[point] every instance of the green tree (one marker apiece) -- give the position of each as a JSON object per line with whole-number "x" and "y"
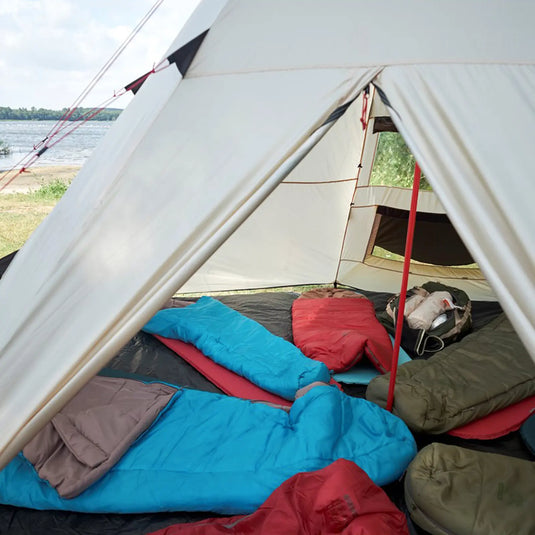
{"x": 394, "y": 163}
{"x": 42, "y": 114}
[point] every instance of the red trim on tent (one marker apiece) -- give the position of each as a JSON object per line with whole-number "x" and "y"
{"x": 228, "y": 381}
{"x": 404, "y": 284}
{"x": 498, "y": 423}
{"x": 364, "y": 113}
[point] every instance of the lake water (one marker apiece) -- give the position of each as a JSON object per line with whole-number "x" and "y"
{"x": 21, "y": 136}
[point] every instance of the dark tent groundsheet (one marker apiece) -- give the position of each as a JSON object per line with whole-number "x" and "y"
{"x": 144, "y": 356}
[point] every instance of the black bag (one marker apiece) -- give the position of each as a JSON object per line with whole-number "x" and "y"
{"x": 449, "y": 327}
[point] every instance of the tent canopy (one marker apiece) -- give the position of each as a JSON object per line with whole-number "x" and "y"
{"x": 241, "y": 160}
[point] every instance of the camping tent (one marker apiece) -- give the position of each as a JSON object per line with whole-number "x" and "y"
{"x": 252, "y": 138}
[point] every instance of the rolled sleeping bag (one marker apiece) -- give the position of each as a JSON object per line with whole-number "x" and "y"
{"x": 449, "y": 490}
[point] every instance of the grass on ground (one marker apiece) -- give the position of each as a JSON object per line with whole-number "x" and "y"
{"x": 20, "y": 214}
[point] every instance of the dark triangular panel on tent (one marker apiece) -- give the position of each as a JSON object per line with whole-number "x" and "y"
{"x": 383, "y": 96}
{"x": 135, "y": 85}
{"x": 338, "y": 112}
{"x": 5, "y": 261}
{"x": 183, "y": 57}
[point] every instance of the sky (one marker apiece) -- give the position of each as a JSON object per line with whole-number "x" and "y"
{"x": 50, "y": 50}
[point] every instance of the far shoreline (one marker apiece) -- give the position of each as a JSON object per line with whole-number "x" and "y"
{"x": 36, "y": 177}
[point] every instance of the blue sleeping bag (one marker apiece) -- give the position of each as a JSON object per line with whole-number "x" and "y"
{"x": 208, "y": 452}
{"x": 240, "y": 344}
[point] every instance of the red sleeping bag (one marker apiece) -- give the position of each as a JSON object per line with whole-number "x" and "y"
{"x": 338, "y": 331}
{"x": 498, "y": 423}
{"x": 225, "y": 379}
{"x": 339, "y": 499}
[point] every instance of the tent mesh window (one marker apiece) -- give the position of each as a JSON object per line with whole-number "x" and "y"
{"x": 436, "y": 241}
{"x": 393, "y": 164}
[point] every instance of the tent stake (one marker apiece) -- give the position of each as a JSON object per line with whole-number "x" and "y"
{"x": 404, "y": 283}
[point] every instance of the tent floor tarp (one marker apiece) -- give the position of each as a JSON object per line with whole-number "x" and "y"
{"x": 145, "y": 356}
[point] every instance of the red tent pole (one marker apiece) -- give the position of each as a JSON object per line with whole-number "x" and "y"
{"x": 404, "y": 283}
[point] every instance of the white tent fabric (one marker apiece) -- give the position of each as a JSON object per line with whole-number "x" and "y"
{"x": 359, "y": 268}
{"x": 190, "y": 159}
{"x": 297, "y": 233}
{"x": 482, "y": 179}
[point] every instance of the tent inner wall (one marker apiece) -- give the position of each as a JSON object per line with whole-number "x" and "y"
{"x": 329, "y": 192}
{"x": 362, "y": 269}
{"x": 296, "y": 235}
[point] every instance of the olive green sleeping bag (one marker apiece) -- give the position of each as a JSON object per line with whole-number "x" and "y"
{"x": 486, "y": 371}
{"x": 452, "y": 490}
